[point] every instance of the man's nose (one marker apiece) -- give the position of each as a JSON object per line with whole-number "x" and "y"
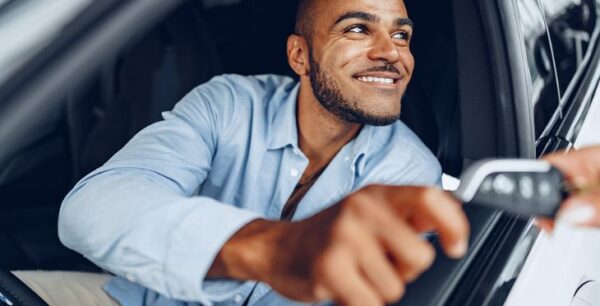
{"x": 384, "y": 48}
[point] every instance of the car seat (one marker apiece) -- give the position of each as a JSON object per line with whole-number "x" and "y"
{"x": 431, "y": 105}
{"x": 149, "y": 78}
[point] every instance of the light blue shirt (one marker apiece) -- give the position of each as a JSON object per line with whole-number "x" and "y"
{"x": 159, "y": 211}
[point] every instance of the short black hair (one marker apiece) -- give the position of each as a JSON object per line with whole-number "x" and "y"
{"x": 305, "y": 18}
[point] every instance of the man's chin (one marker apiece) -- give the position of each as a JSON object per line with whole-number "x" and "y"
{"x": 370, "y": 119}
{"x": 381, "y": 121}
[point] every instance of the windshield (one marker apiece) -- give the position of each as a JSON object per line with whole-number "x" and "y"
{"x": 26, "y": 26}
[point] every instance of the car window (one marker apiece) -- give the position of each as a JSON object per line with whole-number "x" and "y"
{"x": 570, "y": 24}
{"x": 26, "y": 26}
{"x": 544, "y": 94}
{"x": 4, "y": 3}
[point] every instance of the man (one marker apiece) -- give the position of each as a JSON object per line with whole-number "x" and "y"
{"x": 261, "y": 191}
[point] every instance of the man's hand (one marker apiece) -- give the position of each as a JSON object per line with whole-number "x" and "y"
{"x": 361, "y": 251}
{"x": 582, "y": 171}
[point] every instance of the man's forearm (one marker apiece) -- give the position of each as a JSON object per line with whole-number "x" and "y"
{"x": 161, "y": 239}
{"x": 249, "y": 253}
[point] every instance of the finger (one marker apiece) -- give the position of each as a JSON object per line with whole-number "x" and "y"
{"x": 441, "y": 212}
{"x": 348, "y": 286}
{"x": 450, "y": 220}
{"x": 544, "y": 224}
{"x": 581, "y": 210}
{"x": 580, "y": 167}
{"x": 410, "y": 252}
{"x": 421, "y": 225}
{"x": 377, "y": 268}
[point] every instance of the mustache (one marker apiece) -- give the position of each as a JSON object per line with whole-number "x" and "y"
{"x": 386, "y": 68}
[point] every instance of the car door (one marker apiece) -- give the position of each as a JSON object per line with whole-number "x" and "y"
{"x": 48, "y": 50}
{"x": 496, "y": 121}
{"x": 33, "y": 141}
{"x": 537, "y": 111}
{"x": 559, "y": 266}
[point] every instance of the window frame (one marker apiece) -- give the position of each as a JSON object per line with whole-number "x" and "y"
{"x": 562, "y": 129}
{"x": 38, "y": 89}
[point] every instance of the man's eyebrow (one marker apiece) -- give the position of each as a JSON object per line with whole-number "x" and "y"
{"x": 373, "y": 18}
{"x": 405, "y": 21}
{"x": 357, "y": 15}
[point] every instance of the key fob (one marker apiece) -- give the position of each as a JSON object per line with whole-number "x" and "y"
{"x": 525, "y": 187}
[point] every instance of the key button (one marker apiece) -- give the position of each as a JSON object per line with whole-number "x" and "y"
{"x": 503, "y": 185}
{"x": 544, "y": 188}
{"x": 487, "y": 185}
{"x": 526, "y": 187}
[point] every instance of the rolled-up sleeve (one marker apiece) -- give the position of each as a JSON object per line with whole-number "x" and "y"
{"x": 138, "y": 217}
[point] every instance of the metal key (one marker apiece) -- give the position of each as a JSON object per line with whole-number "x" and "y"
{"x": 525, "y": 187}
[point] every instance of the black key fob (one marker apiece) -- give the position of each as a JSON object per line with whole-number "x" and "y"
{"x": 525, "y": 187}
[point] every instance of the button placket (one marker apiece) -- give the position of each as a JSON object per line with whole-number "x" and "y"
{"x": 130, "y": 277}
{"x": 238, "y": 298}
{"x": 294, "y": 172}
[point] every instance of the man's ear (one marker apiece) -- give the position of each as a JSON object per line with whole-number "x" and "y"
{"x": 297, "y": 52}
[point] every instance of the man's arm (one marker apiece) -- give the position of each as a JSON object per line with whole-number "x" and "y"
{"x": 137, "y": 217}
{"x": 361, "y": 251}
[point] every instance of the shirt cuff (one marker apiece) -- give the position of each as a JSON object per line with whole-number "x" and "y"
{"x": 191, "y": 251}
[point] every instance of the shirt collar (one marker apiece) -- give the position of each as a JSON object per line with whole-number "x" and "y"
{"x": 360, "y": 146}
{"x": 283, "y": 124}
{"x": 285, "y": 131}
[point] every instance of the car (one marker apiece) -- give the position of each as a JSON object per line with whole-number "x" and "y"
{"x": 493, "y": 79}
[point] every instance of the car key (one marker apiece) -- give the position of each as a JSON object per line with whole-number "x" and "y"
{"x": 525, "y": 187}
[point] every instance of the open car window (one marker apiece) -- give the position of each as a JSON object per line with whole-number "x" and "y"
{"x": 544, "y": 94}
{"x": 571, "y": 25}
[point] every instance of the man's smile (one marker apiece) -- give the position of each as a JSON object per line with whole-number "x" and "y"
{"x": 380, "y": 79}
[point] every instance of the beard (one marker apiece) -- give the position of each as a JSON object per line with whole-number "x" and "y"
{"x": 331, "y": 98}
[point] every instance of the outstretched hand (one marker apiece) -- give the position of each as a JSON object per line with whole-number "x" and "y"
{"x": 360, "y": 251}
{"x": 581, "y": 169}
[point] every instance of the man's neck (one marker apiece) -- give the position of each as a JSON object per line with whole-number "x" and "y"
{"x": 320, "y": 133}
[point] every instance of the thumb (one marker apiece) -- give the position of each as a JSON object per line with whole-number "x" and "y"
{"x": 581, "y": 210}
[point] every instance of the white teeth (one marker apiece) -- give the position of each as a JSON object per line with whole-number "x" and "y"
{"x": 369, "y": 79}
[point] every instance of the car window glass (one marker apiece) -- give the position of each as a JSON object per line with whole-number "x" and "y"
{"x": 26, "y": 26}
{"x": 570, "y": 24}
{"x": 3, "y": 3}
{"x": 545, "y": 97}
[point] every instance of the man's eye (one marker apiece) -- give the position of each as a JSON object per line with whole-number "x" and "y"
{"x": 401, "y": 35}
{"x": 357, "y": 29}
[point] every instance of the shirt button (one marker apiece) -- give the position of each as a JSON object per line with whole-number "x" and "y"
{"x": 237, "y": 298}
{"x": 130, "y": 277}
{"x": 347, "y": 158}
{"x": 294, "y": 172}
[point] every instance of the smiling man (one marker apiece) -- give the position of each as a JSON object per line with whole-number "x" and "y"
{"x": 360, "y": 65}
{"x": 265, "y": 191}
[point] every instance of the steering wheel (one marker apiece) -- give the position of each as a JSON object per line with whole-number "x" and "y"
{"x": 13, "y": 292}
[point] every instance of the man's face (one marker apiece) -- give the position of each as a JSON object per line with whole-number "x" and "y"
{"x": 360, "y": 61}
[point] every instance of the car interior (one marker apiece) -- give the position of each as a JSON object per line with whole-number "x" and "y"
{"x": 196, "y": 42}
{"x": 150, "y": 75}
